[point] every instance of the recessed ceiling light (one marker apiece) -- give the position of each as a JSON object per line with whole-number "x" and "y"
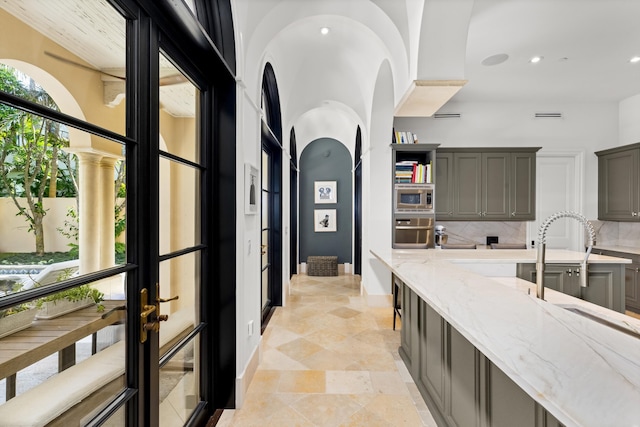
{"x": 495, "y": 59}
{"x": 536, "y": 59}
{"x": 324, "y": 31}
{"x": 634, "y": 59}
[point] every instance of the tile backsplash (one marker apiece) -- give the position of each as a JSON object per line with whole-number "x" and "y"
{"x": 477, "y": 232}
{"x": 609, "y": 233}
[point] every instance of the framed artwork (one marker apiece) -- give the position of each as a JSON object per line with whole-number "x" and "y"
{"x": 324, "y": 220}
{"x": 251, "y": 190}
{"x": 325, "y": 192}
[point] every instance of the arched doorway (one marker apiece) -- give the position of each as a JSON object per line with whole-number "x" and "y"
{"x": 357, "y": 204}
{"x": 271, "y": 200}
{"x": 293, "y": 207}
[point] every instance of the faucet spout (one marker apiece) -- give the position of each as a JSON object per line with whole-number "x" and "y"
{"x": 542, "y": 234}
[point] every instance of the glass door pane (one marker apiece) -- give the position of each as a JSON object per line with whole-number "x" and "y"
{"x": 62, "y": 212}
{"x": 180, "y": 253}
{"x": 265, "y": 213}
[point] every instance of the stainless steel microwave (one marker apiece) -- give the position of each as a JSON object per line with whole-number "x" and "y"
{"x": 413, "y": 198}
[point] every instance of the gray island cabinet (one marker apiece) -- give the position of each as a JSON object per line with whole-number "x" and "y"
{"x": 459, "y": 384}
{"x": 605, "y": 284}
{"x": 632, "y": 274}
{"x": 484, "y": 351}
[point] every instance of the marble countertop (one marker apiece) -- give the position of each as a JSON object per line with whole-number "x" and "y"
{"x": 583, "y": 372}
{"x": 511, "y": 256}
{"x": 615, "y": 248}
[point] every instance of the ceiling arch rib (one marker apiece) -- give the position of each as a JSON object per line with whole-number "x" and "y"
{"x": 332, "y": 120}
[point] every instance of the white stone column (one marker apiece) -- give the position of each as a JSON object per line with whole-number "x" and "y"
{"x": 107, "y": 218}
{"x": 90, "y": 211}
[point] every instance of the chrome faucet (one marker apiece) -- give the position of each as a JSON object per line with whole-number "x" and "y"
{"x": 542, "y": 234}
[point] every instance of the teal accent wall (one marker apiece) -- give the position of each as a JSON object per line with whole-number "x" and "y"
{"x": 326, "y": 159}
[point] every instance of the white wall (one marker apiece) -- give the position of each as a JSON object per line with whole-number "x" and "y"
{"x": 630, "y": 120}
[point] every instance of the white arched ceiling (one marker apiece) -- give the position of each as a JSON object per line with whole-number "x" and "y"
{"x": 312, "y": 68}
{"x": 332, "y": 120}
{"x": 443, "y": 39}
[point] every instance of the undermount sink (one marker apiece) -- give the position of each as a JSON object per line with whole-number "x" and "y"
{"x": 577, "y": 310}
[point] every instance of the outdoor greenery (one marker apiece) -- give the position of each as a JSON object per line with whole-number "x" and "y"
{"x": 34, "y": 259}
{"x": 32, "y": 157}
{"x": 35, "y": 165}
{"x": 75, "y": 294}
{"x": 14, "y": 310}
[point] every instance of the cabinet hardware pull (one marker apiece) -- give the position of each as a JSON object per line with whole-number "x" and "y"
{"x": 634, "y": 213}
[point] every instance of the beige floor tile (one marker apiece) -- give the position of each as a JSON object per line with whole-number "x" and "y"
{"x": 325, "y": 337}
{"x": 365, "y": 418}
{"x": 327, "y": 409}
{"x": 349, "y": 382}
{"x": 302, "y": 382}
{"x": 330, "y": 360}
{"x": 265, "y": 381}
{"x": 389, "y": 383}
{"x": 327, "y": 360}
{"x": 396, "y": 410}
{"x": 288, "y": 417}
{"x": 299, "y": 349}
{"x": 274, "y": 359}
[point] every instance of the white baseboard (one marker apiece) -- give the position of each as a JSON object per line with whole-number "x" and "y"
{"x": 244, "y": 379}
{"x": 385, "y": 300}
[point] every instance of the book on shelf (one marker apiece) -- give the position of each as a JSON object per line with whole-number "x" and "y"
{"x": 403, "y": 137}
{"x": 413, "y": 172}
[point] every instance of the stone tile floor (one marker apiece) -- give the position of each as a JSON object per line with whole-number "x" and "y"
{"x": 328, "y": 359}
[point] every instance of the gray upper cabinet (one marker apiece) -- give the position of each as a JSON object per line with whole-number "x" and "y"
{"x": 522, "y": 200}
{"x": 619, "y": 183}
{"x": 444, "y": 189}
{"x": 467, "y": 185}
{"x": 485, "y": 184}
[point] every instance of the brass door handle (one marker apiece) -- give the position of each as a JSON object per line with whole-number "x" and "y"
{"x": 149, "y": 309}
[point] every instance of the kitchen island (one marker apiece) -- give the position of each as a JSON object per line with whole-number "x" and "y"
{"x": 485, "y": 351}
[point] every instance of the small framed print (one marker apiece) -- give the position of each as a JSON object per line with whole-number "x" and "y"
{"x": 251, "y": 183}
{"x": 324, "y": 220}
{"x": 325, "y": 192}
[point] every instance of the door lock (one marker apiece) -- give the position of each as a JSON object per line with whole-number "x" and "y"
{"x": 148, "y": 310}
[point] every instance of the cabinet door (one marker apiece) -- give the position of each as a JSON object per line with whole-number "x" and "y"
{"x": 495, "y": 185}
{"x": 444, "y": 185}
{"x": 462, "y": 381}
{"x": 522, "y": 197}
{"x": 521, "y": 408}
{"x": 559, "y": 277}
{"x": 604, "y": 286}
{"x": 632, "y": 287}
{"x": 467, "y": 186}
{"x": 432, "y": 354}
{"x": 619, "y": 186}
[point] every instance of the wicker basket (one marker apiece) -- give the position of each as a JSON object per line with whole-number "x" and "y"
{"x": 322, "y": 266}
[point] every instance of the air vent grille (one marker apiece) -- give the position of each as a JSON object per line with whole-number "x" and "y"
{"x": 548, "y": 115}
{"x": 446, "y": 116}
